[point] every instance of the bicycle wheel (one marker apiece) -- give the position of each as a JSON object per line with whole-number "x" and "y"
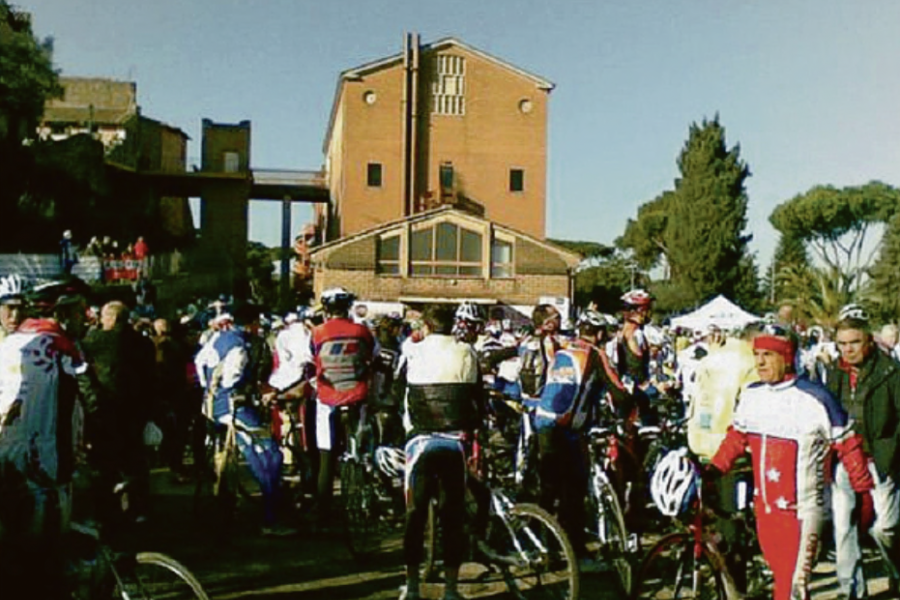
{"x": 608, "y": 536}
{"x": 670, "y": 571}
{"x": 361, "y": 518}
{"x": 158, "y": 577}
{"x": 533, "y": 553}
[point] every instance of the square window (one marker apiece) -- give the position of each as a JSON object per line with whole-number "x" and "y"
{"x": 516, "y": 180}
{"x": 373, "y": 175}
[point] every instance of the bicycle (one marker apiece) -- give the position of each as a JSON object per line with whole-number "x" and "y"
{"x": 372, "y": 500}
{"x": 141, "y": 576}
{"x": 608, "y": 536}
{"x": 95, "y": 570}
{"x": 688, "y": 564}
{"x": 521, "y": 546}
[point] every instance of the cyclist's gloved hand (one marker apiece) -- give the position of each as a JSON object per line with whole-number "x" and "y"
{"x": 865, "y": 508}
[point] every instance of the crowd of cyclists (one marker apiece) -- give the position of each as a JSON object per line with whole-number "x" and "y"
{"x": 88, "y": 392}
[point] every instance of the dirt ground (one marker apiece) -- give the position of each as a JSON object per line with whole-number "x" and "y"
{"x": 241, "y": 563}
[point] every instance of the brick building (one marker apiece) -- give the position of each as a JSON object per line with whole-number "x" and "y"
{"x": 445, "y": 254}
{"x": 107, "y": 110}
{"x": 436, "y": 162}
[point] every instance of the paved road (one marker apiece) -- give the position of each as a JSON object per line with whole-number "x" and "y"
{"x": 243, "y": 564}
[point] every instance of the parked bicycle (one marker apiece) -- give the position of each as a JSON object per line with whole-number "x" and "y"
{"x": 518, "y": 546}
{"x": 688, "y": 563}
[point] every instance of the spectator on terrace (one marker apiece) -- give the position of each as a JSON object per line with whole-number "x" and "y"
{"x": 67, "y": 255}
{"x": 142, "y": 255}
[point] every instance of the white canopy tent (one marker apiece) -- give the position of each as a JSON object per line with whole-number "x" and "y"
{"x": 720, "y": 311}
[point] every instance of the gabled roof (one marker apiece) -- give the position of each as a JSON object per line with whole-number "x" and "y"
{"x": 441, "y": 44}
{"x": 389, "y": 61}
{"x": 571, "y": 258}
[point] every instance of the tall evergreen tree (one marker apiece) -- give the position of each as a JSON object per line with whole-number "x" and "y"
{"x": 790, "y": 260}
{"x": 704, "y": 234}
{"x": 884, "y": 286}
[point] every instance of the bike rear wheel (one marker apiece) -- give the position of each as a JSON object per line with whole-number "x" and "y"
{"x": 533, "y": 553}
{"x": 608, "y": 538}
{"x": 362, "y": 518}
{"x": 156, "y": 576}
{"x": 671, "y": 571}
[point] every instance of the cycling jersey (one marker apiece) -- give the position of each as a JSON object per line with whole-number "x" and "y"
{"x": 343, "y": 352}
{"x": 293, "y": 351}
{"x": 791, "y": 429}
{"x": 37, "y": 398}
{"x": 443, "y": 386}
{"x": 220, "y": 365}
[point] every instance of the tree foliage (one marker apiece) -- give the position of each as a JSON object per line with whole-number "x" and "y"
{"x": 707, "y": 249}
{"x": 592, "y": 253}
{"x": 884, "y": 288}
{"x": 27, "y": 76}
{"x": 646, "y": 236}
{"x": 834, "y": 222}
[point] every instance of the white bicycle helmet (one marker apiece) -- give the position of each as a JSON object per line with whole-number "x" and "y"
{"x": 12, "y": 287}
{"x": 674, "y": 483}
{"x": 391, "y": 461}
{"x": 470, "y": 312}
{"x": 637, "y": 298}
{"x": 337, "y": 300}
{"x": 853, "y": 311}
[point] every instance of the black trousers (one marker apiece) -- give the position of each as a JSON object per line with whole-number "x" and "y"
{"x": 436, "y": 469}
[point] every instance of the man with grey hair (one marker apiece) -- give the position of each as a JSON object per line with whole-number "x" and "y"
{"x": 867, "y": 382}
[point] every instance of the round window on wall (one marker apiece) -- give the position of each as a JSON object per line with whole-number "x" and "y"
{"x": 525, "y": 105}
{"x": 369, "y": 97}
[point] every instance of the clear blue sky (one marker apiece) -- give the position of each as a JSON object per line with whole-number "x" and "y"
{"x": 809, "y": 89}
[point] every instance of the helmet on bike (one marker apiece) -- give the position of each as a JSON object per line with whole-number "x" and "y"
{"x": 674, "y": 483}
{"x": 391, "y": 461}
{"x": 337, "y": 300}
{"x": 44, "y": 297}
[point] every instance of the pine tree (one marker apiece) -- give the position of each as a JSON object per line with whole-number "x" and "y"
{"x": 707, "y": 246}
{"x": 884, "y": 286}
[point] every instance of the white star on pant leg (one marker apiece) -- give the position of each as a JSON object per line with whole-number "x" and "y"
{"x": 773, "y": 474}
{"x": 781, "y": 503}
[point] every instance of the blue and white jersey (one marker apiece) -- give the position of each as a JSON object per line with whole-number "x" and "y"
{"x": 221, "y": 364}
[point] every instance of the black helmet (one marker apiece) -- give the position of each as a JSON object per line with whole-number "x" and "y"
{"x": 48, "y": 295}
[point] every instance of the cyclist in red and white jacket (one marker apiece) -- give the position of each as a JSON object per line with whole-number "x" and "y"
{"x": 792, "y": 429}
{"x": 343, "y": 352}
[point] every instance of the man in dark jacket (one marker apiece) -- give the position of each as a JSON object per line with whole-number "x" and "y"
{"x": 867, "y": 382}
{"x": 124, "y": 362}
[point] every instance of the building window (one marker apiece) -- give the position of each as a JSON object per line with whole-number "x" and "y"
{"x": 516, "y": 180}
{"x": 501, "y": 258}
{"x": 449, "y": 87}
{"x": 445, "y": 250}
{"x": 373, "y": 175}
{"x": 232, "y": 162}
{"x": 446, "y": 176}
{"x": 388, "y": 251}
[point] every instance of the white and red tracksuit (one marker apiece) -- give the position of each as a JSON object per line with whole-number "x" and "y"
{"x": 792, "y": 430}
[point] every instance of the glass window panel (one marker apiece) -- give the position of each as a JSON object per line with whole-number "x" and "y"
{"x": 470, "y": 246}
{"x": 422, "y": 269}
{"x": 389, "y": 268}
{"x": 445, "y": 269}
{"x": 420, "y": 246}
{"x": 446, "y": 176}
{"x": 470, "y": 271}
{"x": 500, "y": 271}
{"x": 389, "y": 248}
{"x": 501, "y": 252}
{"x": 446, "y": 242}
